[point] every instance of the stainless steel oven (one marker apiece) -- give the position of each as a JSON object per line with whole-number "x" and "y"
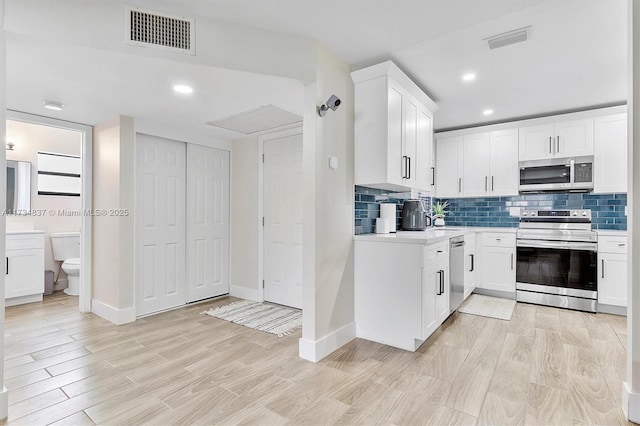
{"x": 556, "y": 261}
{"x": 557, "y": 174}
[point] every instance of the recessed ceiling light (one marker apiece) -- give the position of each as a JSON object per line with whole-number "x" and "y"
{"x": 53, "y": 105}
{"x": 469, "y": 76}
{"x": 182, "y": 88}
{"x": 487, "y": 112}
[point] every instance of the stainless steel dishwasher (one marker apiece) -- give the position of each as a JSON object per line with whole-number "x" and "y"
{"x": 456, "y": 272}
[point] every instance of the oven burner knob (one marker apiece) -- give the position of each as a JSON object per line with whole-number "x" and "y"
{"x": 533, "y": 213}
{"x": 574, "y": 214}
{"x": 584, "y": 213}
{"x": 524, "y": 213}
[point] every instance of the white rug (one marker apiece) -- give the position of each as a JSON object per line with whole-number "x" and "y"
{"x": 487, "y": 306}
{"x": 273, "y": 319}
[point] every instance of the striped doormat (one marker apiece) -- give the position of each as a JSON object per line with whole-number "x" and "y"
{"x": 273, "y": 319}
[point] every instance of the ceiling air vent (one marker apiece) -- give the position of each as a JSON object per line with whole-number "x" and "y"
{"x": 161, "y": 31}
{"x": 510, "y": 37}
{"x": 257, "y": 120}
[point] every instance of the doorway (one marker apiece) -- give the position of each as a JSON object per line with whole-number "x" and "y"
{"x": 283, "y": 220}
{"x": 83, "y": 213}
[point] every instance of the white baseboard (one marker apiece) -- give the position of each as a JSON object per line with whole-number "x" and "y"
{"x": 630, "y": 403}
{"x": 4, "y": 403}
{"x": 315, "y": 351}
{"x": 611, "y": 309}
{"x": 116, "y": 316}
{"x": 244, "y": 293}
{"x": 13, "y": 301}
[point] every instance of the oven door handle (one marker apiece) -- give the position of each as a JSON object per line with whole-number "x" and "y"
{"x": 560, "y": 245}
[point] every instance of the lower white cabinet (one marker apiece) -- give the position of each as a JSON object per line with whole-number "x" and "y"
{"x": 435, "y": 287}
{"x": 24, "y": 268}
{"x": 470, "y": 264}
{"x": 612, "y": 270}
{"x": 401, "y": 291}
{"x": 498, "y": 262}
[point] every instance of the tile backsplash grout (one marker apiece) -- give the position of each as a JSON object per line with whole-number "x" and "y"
{"x": 608, "y": 210}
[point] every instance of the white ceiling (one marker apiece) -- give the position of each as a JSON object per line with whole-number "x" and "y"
{"x": 575, "y": 59}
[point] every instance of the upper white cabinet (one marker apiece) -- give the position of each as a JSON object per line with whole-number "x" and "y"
{"x": 393, "y": 130}
{"x": 505, "y": 174}
{"x": 610, "y": 158}
{"x": 563, "y": 139}
{"x": 449, "y": 166}
{"x": 478, "y": 164}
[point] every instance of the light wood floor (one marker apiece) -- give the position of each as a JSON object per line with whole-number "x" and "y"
{"x": 545, "y": 366}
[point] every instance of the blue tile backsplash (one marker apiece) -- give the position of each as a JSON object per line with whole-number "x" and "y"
{"x": 607, "y": 210}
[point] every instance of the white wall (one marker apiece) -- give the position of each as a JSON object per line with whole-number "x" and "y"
{"x": 113, "y": 176}
{"x": 4, "y": 396}
{"x": 328, "y": 317}
{"x": 30, "y": 138}
{"x": 245, "y": 224}
{"x": 100, "y": 24}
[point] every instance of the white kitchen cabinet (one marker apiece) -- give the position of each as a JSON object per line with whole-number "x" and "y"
{"x": 478, "y": 164}
{"x": 24, "y": 268}
{"x": 393, "y": 130}
{"x": 449, "y": 167}
{"x": 498, "y": 262}
{"x": 476, "y": 168}
{"x": 610, "y": 158}
{"x": 556, "y": 140}
{"x": 435, "y": 287}
{"x": 401, "y": 291}
{"x": 612, "y": 270}
{"x": 505, "y": 173}
{"x": 470, "y": 264}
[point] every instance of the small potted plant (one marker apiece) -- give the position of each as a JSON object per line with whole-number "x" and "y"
{"x": 439, "y": 210}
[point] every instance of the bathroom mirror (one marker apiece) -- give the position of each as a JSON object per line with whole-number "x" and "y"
{"x": 18, "y": 187}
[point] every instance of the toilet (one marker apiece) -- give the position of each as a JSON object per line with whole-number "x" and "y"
{"x": 66, "y": 249}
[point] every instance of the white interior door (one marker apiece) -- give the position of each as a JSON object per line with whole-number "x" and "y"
{"x": 283, "y": 221}
{"x": 207, "y": 222}
{"x": 160, "y": 224}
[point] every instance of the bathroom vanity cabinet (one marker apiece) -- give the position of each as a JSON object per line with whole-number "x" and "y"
{"x": 24, "y": 267}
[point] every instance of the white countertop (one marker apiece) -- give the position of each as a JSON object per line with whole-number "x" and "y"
{"x": 431, "y": 235}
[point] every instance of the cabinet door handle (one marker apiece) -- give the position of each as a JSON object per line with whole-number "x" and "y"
{"x": 459, "y": 184}
{"x": 439, "y": 251}
{"x": 473, "y": 266}
{"x": 6, "y": 272}
{"x": 442, "y": 282}
{"x": 491, "y": 183}
{"x": 512, "y": 261}
{"x": 404, "y": 163}
{"x": 550, "y": 144}
{"x": 485, "y": 183}
{"x": 621, "y": 244}
{"x": 409, "y": 168}
{"x": 557, "y": 144}
{"x": 439, "y": 286}
{"x": 602, "y": 268}
{"x": 433, "y": 176}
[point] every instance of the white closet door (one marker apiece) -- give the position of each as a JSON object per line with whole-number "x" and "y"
{"x": 283, "y": 221}
{"x": 160, "y": 224}
{"x": 207, "y": 222}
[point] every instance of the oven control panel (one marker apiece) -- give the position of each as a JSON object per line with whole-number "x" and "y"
{"x": 550, "y": 214}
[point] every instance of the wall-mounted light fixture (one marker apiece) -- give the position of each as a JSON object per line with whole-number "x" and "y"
{"x": 10, "y": 144}
{"x": 333, "y": 102}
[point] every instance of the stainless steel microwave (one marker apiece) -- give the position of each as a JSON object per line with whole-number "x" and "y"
{"x": 557, "y": 174}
